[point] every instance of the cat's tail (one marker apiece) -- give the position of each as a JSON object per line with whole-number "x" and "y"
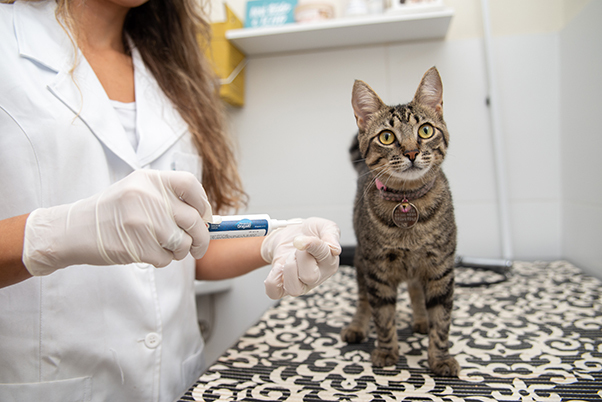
{"x": 356, "y": 156}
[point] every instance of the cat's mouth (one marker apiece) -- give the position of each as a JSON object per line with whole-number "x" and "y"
{"x": 411, "y": 173}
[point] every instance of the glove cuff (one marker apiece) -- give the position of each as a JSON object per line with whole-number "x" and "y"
{"x": 37, "y": 249}
{"x": 267, "y": 247}
{"x": 266, "y": 254}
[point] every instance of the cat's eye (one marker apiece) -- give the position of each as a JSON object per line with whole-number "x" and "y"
{"x": 386, "y": 138}
{"x": 426, "y": 131}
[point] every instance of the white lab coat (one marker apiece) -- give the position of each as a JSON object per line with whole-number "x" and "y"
{"x": 84, "y": 333}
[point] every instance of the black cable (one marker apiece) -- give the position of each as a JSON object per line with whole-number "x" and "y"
{"x": 500, "y": 267}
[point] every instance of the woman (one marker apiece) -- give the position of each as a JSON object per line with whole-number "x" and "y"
{"x": 109, "y": 121}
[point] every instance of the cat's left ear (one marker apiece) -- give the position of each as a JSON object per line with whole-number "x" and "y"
{"x": 365, "y": 103}
{"x": 430, "y": 91}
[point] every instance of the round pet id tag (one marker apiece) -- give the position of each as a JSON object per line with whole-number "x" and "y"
{"x": 405, "y": 214}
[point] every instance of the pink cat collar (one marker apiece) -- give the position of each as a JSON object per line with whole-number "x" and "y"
{"x": 400, "y": 195}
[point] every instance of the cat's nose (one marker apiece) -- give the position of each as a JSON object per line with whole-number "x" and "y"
{"x": 411, "y": 154}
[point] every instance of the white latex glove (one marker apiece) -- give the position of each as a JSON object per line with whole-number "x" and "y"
{"x": 302, "y": 257}
{"x": 149, "y": 216}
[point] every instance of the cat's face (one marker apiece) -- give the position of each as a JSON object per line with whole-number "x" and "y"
{"x": 404, "y": 143}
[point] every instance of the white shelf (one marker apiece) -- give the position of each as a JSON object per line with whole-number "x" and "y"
{"x": 343, "y": 32}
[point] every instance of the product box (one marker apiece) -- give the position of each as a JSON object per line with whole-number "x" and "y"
{"x": 263, "y": 13}
{"x": 228, "y": 61}
{"x": 415, "y": 6}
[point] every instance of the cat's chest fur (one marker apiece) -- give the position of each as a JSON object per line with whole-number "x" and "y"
{"x": 409, "y": 249}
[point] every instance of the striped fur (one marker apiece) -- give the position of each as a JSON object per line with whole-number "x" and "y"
{"x": 386, "y": 255}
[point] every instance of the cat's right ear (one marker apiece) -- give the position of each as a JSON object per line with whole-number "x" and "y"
{"x": 365, "y": 103}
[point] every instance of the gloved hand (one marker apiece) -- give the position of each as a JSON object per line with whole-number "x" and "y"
{"x": 302, "y": 257}
{"x": 149, "y": 216}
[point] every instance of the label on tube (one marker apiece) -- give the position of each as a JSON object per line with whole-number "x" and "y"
{"x": 229, "y": 229}
{"x": 254, "y": 225}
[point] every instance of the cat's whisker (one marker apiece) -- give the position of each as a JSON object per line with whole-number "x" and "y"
{"x": 380, "y": 171}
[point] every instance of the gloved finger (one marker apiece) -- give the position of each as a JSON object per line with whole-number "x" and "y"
{"x": 290, "y": 275}
{"x": 183, "y": 248}
{"x": 327, "y": 259}
{"x": 159, "y": 259}
{"x": 186, "y": 187}
{"x": 314, "y": 246}
{"x": 309, "y": 272}
{"x": 331, "y": 234}
{"x": 172, "y": 239}
{"x": 200, "y": 244}
{"x": 327, "y": 231}
{"x": 191, "y": 222}
{"x": 328, "y": 267}
{"x": 274, "y": 286}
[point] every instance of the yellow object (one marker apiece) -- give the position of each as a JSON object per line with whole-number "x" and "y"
{"x": 228, "y": 62}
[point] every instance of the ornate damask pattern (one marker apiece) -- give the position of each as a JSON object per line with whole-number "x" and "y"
{"x": 535, "y": 337}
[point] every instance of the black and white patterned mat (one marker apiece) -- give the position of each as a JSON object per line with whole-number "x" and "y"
{"x": 535, "y": 337}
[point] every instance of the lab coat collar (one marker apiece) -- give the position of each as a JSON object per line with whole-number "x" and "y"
{"x": 45, "y": 42}
{"x": 39, "y": 35}
{"x": 158, "y": 123}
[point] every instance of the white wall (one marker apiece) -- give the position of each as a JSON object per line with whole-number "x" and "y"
{"x": 297, "y": 124}
{"x": 581, "y": 139}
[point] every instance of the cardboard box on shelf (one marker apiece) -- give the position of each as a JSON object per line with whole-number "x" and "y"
{"x": 263, "y": 13}
{"x": 228, "y": 61}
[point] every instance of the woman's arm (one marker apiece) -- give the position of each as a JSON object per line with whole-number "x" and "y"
{"x": 230, "y": 258}
{"x": 12, "y": 270}
{"x": 224, "y": 258}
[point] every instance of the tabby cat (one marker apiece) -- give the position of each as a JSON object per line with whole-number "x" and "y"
{"x": 404, "y": 221}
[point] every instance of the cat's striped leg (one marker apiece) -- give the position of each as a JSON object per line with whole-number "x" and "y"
{"x": 439, "y": 294}
{"x": 420, "y": 319}
{"x": 357, "y": 330}
{"x": 382, "y": 295}
{"x": 383, "y": 306}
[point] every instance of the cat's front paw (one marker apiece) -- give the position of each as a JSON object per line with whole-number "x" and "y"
{"x": 448, "y": 367}
{"x": 384, "y": 357}
{"x": 353, "y": 334}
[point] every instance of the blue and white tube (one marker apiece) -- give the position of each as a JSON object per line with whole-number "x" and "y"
{"x": 236, "y": 226}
